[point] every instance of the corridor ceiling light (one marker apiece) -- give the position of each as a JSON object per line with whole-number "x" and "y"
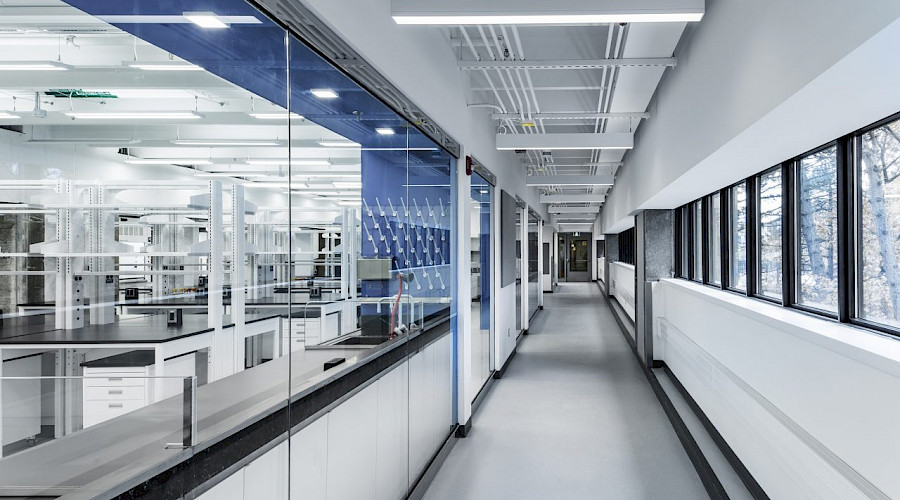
{"x": 276, "y": 116}
{"x": 459, "y": 20}
{"x": 137, "y": 115}
{"x": 230, "y": 174}
{"x": 293, "y": 161}
{"x": 163, "y": 66}
{"x": 349, "y": 203}
{"x": 208, "y": 20}
{"x": 223, "y": 142}
{"x": 385, "y": 131}
{"x": 5, "y": 115}
{"x": 324, "y": 93}
{"x": 347, "y": 185}
{"x": 339, "y": 144}
{"x": 34, "y": 66}
{"x": 167, "y": 161}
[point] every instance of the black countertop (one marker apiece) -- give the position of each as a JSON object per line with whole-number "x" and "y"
{"x": 126, "y": 359}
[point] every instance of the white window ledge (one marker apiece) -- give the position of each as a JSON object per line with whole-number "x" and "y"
{"x": 869, "y": 347}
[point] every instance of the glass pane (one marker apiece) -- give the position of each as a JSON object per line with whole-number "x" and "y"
{"x": 817, "y": 228}
{"x": 770, "y": 221}
{"x": 697, "y": 243}
{"x": 481, "y": 214}
{"x": 534, "y": 286}
{"x": 738, "y": 237}
{"x": 715, "y": 240}
{"x": 879, "y": 274}
{"x": 685, "y": 242}
{"x": 518, "y": 269}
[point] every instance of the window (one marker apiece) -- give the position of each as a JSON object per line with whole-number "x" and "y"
{"x": 878, "y": 275}
{"x": 714, "y": 231}
{"x": 697, "y": 241}
{"x": 817, "y": 230}
{"x": 626, "y": 246}
{"x": 769, "y": 230}
{"x": 738, "y": 237}
{"x": 683, "y": 250}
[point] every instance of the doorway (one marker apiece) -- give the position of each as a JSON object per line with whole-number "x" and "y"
{"x": 575, "y": 256}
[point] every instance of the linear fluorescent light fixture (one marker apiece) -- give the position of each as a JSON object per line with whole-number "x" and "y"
{"x": 276, "y": 116}
{"x": 167, "y": 161}
{"x": 222, "y": 142}
{"x": 349, "y": 203}
{"x": 384, "y": 131}
{"x": 34, "y": 66}
{"x": 5, "y": 115}
{"x": 293, "y": 161}
{"x": 450, "y": 19}
{"x": 208, "y": 20}
{"x": 163, "y": 66}
{"x": 137, "y": 115}
{"x": 339, "y": 144}
{"x": 324, "y": 93}
{"x": 230, "y": 174}
{"x": 347, "y": 185}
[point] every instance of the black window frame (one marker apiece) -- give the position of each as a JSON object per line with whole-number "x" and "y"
{"x": 849, "y": 230}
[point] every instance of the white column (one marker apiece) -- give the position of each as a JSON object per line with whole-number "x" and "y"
{"x": 540, "y": 278}
{"x": 221, "y": 355}
{"x": 463, "y": 292}
{"x": 238, "y": 273}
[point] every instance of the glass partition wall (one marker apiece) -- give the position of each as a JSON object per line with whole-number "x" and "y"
{"x": 534, "y": 283}
{"x": 194, "y": 206}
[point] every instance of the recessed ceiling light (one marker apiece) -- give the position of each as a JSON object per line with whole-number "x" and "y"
{"x": 324, "y": 93}
{"x": 138, "y": 115}
{"x": 207, "y": 20}
{"x": 167, "y": 161}
{"x": 223, "y": 142}
{"x": 483, "y": 191}
{"x": 349, "y": 203}
{"x": 385, "y": 131}
{"x": 163, "y": 66}
{"x": 338, "y": 144}
{"x": 34, "y": 66}
{"x": 8, "y": 116}
{"x": 347, "y": 184}
{"x": 275, "y": 116}
{"x": 293, "y": 161}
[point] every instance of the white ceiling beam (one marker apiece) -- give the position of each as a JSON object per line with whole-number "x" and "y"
{"x": 567, "y": 63}
{"x": 569, "y": 116}
{"x": 565, "y": 141}
{"x": 574, "y": 210}
{"x": 610, "y": 164}
{"x": 573, "y": 198}
{"x": 471, "y": 12}
{"x": 569, "y": 180}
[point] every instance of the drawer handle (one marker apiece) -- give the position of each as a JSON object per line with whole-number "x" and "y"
{"x": 115, "y": 391}
{"x": 116, "y": 405}
{"x": 115, "y": 379}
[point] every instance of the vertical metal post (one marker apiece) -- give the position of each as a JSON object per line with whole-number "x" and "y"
{"x": 189, "y": 412}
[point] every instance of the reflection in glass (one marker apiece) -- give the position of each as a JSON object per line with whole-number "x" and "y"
{"x": 879, "y": 272}
{"x": 770, "y": 222}
{"x": 534, "y": 285}
{"x": 738, "y": 235}
{"x": 817, "y": 228}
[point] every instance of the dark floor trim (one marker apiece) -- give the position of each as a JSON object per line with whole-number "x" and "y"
{"x": 623, "y": 320}
{"x": 707, "y": 475}
{"x": 463, "y": 430}
{"x": 485, "y": 389}
{"x": 418, "y": 490}
{"x": 746, "y": 477}
{"x": 499, "y": 373}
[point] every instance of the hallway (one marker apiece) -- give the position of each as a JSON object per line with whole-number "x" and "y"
{"x": 573, "y": 417}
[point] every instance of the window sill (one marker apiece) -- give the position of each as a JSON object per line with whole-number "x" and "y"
{"x": 866, "y": 346}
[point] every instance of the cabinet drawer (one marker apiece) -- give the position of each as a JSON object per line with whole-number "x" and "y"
{"x": 298, "y": 344}
{"x": 101, "y": 411}
{"x": 115, "y": 380}
{"x": 114, "y": 393}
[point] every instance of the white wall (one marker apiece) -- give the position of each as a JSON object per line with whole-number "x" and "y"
{"x": 808, "y": 405}
{"x": 787, "y": 76}
{"x": 621, "y": 286}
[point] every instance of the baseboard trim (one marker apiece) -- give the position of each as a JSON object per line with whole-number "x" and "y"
{"x": 502, "y": 371}
{"x": 707, "y": 475}
{"x": 485, "y": 389}
{"x": 747, "y": 478}
{"x": 418, "y": 490}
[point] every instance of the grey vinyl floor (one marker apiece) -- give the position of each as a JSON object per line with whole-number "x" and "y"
{"x": 573, "y": 417}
